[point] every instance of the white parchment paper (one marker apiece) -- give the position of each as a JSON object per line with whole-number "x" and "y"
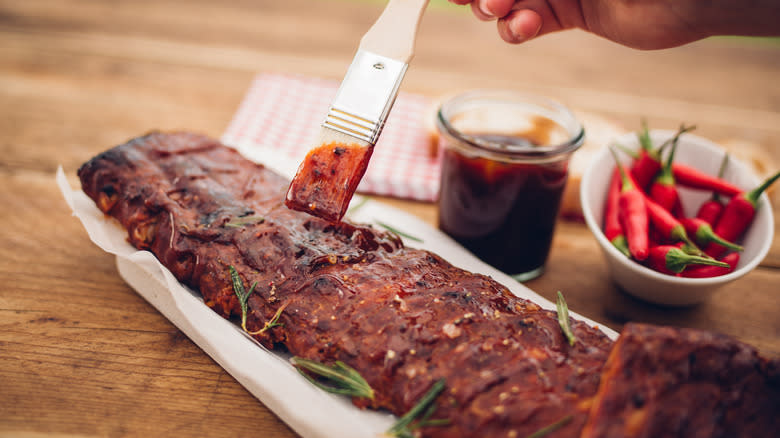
{"x": 312, "y": 413}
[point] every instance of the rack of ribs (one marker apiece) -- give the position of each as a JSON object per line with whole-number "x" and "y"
{"x": 663, "y": 381}
{"x": 404, "y": 318}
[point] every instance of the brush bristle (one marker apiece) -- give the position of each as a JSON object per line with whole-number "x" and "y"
{"x": 329, "y": 175}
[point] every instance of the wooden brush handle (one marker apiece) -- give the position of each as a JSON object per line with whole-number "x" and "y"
{"x": 395, "y": 30}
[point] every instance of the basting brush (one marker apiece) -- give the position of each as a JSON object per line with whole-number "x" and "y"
{"x": 329, "y": 175}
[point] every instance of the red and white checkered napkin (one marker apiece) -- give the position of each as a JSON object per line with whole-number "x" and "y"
{"x": 282, "y": 114}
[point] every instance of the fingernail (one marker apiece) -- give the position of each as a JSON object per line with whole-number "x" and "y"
{"x": 484, "y": 9}
{"x": 515, "y": 30}
{"x": 519, "y": 33}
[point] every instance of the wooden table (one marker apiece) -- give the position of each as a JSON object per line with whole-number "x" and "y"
{"x": 81, "y": 354}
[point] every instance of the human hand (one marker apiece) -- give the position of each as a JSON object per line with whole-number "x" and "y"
{"x": 641, "y": 24}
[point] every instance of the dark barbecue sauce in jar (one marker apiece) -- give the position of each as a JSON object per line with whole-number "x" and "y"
{"x": 500, "y": 192}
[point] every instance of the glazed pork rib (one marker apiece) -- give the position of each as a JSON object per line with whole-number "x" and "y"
{"x": 403, "y": 318}
{"x": 671, "y": 382}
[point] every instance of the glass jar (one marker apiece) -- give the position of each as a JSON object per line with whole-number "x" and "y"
{"x": 505, "y": 159}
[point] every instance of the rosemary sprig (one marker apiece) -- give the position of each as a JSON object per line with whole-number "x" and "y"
{"x": 243, "y": 299}
{"x": 551, "y": 428}
{"x": 563, "y": 319}
{"x": 344, "y": 379}
{"x": 399, "y": 232}
{"x": 241, "y": 293}
{"x": 274, "y": 322}
{"x": 405, "y": 426}
{"x": 247, "y": 220}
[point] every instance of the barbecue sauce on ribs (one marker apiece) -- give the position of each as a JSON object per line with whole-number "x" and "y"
{"x": 403, "y": 318}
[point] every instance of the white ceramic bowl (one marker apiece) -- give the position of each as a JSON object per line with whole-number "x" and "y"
{"x": 644, "y": 282}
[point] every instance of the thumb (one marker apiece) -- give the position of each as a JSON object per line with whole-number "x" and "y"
{"x": 519, "y": 26}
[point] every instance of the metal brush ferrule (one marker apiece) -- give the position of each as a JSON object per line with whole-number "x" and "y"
{"x": 365, "y": 96}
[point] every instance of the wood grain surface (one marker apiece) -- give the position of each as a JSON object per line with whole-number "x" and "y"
{"x": 81, "y": 354}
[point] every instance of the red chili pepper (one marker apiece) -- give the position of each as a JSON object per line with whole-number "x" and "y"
{"x": 648, "y": 163}
{"x": 656, "y": 238}
{"x": 663, "y": 189}
{"x": 669, "y": 259}
{"x": 704, "y": 271}
{"x": 696, "y": 179}
{"x": 645, "y": 168}
{"x": 703, "y": 234}
{"x": 613, "y": 231}
{"x": 738, "y": 215}
{"x": 667, "y": 225}
{"x": 710, "y": 210}
{"x": 632, "y": 214}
